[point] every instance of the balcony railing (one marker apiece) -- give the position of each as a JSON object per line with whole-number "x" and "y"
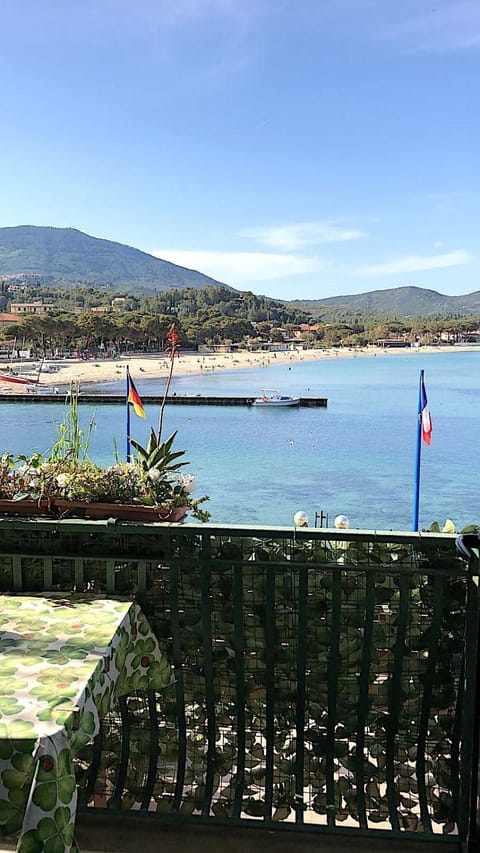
{"x": 324, "y": 680}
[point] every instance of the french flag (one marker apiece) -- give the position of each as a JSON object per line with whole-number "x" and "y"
{"x": 425, "y": 415}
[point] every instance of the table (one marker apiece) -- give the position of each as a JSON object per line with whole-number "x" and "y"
{"x": 63, "y": 664}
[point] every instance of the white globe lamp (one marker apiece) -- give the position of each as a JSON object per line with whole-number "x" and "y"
{"x": 342, "y": 522}
{"x": 301, "y": 519}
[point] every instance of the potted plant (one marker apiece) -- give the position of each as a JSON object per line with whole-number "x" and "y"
{"x": 68, "y": 486}
{"x": 66, "y": 482}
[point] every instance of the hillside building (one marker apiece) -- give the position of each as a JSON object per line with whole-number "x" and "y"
{"x": 6, "y": 319}
{"x": 29, "y": 308}
{"x": 100, "y": 309}
{"x": 392, "y": 342}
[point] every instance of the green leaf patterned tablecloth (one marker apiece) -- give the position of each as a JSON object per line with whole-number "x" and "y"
{"x": 63, "y": 663}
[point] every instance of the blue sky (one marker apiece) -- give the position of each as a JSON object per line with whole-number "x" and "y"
{"x": 297, "y": 149}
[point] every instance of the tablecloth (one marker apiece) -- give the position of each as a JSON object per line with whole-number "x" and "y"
{"x": 63, "y": 663}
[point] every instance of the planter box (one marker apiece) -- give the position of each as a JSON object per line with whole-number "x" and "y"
{"x": 126, "y": 512}
{"x": 24, "y": 507}
{"x": 57, "y": 508}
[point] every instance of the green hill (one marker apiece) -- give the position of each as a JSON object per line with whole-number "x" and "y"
{"x": 62, "y": 255}
{"x": 395, "y": 302}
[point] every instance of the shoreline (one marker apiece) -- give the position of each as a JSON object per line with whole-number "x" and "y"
{"x": 157, "y": 366}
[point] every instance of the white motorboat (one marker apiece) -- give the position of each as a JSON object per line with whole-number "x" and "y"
{"x": 271, "y": 398}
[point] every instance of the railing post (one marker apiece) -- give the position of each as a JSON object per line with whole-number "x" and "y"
{"x": 470, "y": 728}
{"x": 206, "y": 617}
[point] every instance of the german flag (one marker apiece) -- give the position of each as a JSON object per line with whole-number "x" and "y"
{"x": 133, "y": 397}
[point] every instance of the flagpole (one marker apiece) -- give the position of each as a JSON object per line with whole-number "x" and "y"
{"x": 418, "y": 454}
{"x": 129, "y": 449}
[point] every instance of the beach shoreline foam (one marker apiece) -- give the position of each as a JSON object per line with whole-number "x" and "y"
{"x": 157, "y": 366}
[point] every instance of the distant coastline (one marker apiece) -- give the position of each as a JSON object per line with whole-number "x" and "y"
{"x": 156, "y": 366}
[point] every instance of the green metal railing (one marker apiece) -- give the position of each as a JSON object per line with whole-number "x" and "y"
{"x": 324, "y": 680}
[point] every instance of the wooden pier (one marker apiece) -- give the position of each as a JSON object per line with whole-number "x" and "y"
{"x": 174, "y": 399}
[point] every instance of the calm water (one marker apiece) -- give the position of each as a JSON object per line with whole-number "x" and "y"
{"x": 355, "y": 457}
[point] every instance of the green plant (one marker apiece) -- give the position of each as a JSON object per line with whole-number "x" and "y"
{"x": 65, "y": 471}
{"x": 119, "y": 483}
{"x": 157, "y": 461}
{"x": 72, "y": 441}
{"x": 449, "y": 527}
{"x": 35, "y": 478}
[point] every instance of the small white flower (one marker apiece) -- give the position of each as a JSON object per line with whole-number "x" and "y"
{"x": 187, "y": 481}
{"x": 62, "y": 480}
{"x": 154, "y": 474}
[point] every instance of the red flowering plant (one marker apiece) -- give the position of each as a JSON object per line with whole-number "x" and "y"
{"x": 159, "y": 461}
{"x": 173, "y": 342}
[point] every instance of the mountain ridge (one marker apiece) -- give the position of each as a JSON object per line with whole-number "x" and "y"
{"x": 407, "y": 300}
{"x": 70, "y": 255}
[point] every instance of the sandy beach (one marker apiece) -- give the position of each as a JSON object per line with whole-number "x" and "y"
{"x": 155, "y": 366}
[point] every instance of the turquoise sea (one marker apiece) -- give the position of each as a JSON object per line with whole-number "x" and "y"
{"x": 356, "y": 457}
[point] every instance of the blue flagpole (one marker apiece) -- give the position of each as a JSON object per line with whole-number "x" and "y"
{"x": 418, "y": 454}
{"x": 129, "y": 449}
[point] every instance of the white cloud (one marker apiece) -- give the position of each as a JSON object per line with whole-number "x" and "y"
{"x": 415, "y": 263}
{"x": 240, "y": 268}
{"x": 287, "y": 238}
